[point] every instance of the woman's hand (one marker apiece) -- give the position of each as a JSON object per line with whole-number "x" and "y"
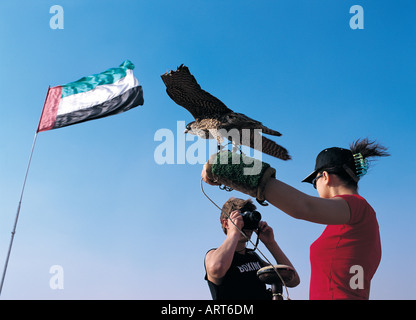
{"x": 205, "y": 177}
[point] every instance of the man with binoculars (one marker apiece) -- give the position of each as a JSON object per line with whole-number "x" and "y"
{"x": 231, "y": 269}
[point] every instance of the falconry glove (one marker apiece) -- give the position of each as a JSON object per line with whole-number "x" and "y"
{"x": 241, "y": 173}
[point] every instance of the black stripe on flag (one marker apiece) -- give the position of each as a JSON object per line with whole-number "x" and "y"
{"x": 124, "y": 102}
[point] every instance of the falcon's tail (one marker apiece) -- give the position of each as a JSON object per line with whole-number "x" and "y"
{"x": 265, "y": 145}
{"x": 273, "y": 149}
{"x": 270, "y": 131}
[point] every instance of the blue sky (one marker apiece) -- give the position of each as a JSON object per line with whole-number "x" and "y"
{"x": 124, "y": 227}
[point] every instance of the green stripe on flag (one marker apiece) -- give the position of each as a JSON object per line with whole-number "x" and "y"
{"x": 90, "y": 82}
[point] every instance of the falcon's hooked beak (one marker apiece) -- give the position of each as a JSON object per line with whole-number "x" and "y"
{"x": 187, "y": 128}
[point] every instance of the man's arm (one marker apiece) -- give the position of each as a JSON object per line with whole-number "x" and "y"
{"x": 267, "y": 237}
{"x": 218, "y": 261}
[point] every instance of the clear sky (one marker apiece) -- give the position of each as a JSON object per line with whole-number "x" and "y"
{"x": 122, "y": 226}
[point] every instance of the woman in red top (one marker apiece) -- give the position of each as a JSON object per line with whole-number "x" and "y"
{"x": 345, "y": 257}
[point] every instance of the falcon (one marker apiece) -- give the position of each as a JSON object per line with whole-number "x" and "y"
{"x": 214, "y": 120}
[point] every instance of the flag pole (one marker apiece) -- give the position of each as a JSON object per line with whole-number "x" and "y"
{"x": 21, "y": 196}
{"x": 17, "y": 214}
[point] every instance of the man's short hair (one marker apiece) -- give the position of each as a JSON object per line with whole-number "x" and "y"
{"x": 233, "y": 204}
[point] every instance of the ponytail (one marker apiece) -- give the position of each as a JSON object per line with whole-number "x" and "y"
{"x": 362, "y": 150}
{"x": 368, "y": 148}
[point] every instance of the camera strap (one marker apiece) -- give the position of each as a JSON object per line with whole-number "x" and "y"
{"x": 257, "y": 240}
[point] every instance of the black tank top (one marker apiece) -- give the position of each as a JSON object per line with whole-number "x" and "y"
{"x": 241, "y": 281}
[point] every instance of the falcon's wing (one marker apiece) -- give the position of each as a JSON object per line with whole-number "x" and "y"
{"x": 255, "y": 139}
{"x": 240, "y": 120}
{"x": 182, "y": 87}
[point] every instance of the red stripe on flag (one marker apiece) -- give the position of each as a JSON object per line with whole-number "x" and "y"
{"x": 50, "y": 109}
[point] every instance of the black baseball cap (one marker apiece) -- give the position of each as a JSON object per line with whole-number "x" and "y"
{"x": 332, "y": 159}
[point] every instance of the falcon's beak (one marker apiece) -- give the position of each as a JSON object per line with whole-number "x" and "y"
{"x": 185, "y": 131}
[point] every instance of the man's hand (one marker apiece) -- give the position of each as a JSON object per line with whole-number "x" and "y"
{"x": 265, "y": 233}
{"x": 236, "y": 217}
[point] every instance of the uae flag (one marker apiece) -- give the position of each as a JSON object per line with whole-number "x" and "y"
{"x": 100, "y": 95}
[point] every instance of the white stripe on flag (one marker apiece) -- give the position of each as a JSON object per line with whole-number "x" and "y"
{"x": 97, "y": 95}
